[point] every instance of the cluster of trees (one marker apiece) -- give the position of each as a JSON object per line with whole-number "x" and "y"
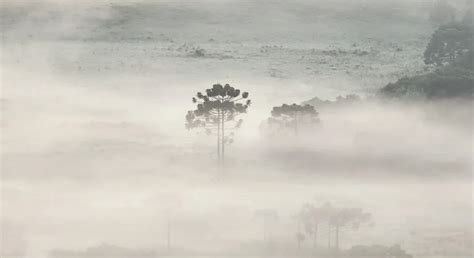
{"x": 218, "y": 108}
{"x": 313, "y": 220}
{"x": 292, "y": 118}
{"x": 340, "y": 101}
{"x": 450, "y": 52}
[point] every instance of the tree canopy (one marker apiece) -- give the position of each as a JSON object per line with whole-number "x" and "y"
{"x": 218, "y": 103}
{"x": 216, "y": 113}
{"x": 292, "y": 117}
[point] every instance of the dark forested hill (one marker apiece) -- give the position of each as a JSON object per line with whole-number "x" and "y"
{"x": 450, "y": 52}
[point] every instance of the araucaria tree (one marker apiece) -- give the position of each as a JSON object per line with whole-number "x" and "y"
{"x": 292, "y": 118}
{"x": 216, "y": 113}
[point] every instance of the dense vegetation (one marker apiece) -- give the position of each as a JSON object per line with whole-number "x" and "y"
{"x": 451, "y": 81}
{"x": 450, "y": 52}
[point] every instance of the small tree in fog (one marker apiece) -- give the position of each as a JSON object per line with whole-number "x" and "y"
{"x": 292, "y": 117}
{"x": 348, "y": 218}
{"x": 267, "y": 216}
{"x": 216, "y": 112}
{"x": 311, "y": 220}
{"x": 313, "y": 217}
{"x": 335, "y": 220}
{"x": 300, "y": 239}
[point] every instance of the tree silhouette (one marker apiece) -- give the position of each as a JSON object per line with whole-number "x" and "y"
{"x": 292, "y": 117}
{"x": 335, "y": 219}
{"x": 216, "y": 113}
{"x": 348, "y": 218}
{"x": 311, "y": 220}
{"x": 313, "y": 217}
{"x": 301, "y": 218}
{"x": 267, "y": 215}
{"x": 300, "y": 239}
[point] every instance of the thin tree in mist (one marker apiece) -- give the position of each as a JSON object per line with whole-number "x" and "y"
{"x": 312, "y": 218}
{"x": 348, "y": 218}
{"x": 216, "y": 113}
{"x": 300, "y": 236}
{"x": 334, "y": 220}
{"x": 292, "y": 117}
{"x": 170, "y": 205}
{"x": 267, "y": 216}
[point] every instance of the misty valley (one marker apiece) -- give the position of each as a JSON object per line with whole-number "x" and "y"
{"x": 256, "y": 128}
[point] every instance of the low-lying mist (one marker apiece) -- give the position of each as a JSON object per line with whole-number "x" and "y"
{"x": 89, "y": 165}
{"x": 95, "y": 153}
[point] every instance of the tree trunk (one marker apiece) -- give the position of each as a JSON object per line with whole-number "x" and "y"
{"x": 337, "y": 238}
{"x": 298, "y": 233}
{"x": 223, "y": 142}
{"x": 218, "y": 139}
{"x": 265, "y": 236}
{"x": 315, "y": 239}
{"x": 329, "y": 236}
{"x": 296, "y": 124}
{"x": 168, "y": 236}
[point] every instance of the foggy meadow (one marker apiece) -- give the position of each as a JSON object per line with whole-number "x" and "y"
{"x": 236, "y": 128}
